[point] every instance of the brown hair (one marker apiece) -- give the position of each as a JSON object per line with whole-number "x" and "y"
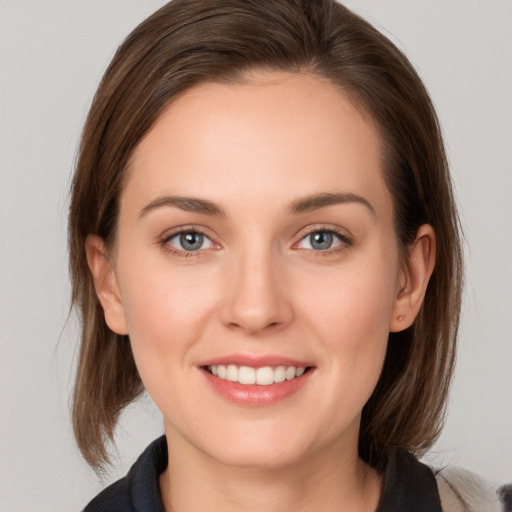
{"x": 191, "y": 41}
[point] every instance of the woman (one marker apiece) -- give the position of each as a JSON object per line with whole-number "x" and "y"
{"x": 263, "y": 237}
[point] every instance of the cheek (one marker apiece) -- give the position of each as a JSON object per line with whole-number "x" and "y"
{"x": 354, "y": 329}
{"x": 166, "y": 315}
{"x": 355, "y": 301}
{"x": 350, "y": 319}
{"x": 166, "y": 310}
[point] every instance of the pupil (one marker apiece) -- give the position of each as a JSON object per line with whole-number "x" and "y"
{"x": 191, "y": 241}
{"x": 321, "y": 240}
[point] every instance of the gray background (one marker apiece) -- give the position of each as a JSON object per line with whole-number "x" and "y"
{"x": 52, "y": 55}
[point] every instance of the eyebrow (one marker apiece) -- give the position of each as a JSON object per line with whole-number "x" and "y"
{"x": 307, "y": 204}
{"x": 188, "y": 204}
{"x": 318, "y": 201}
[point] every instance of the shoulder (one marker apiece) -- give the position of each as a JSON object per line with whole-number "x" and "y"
{"x": 139, "y": 489}
{"x": 115, "y": 498}
{"x": 461, "y": 490}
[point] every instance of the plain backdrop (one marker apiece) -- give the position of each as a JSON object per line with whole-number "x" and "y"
{"x": 52, "y": 55}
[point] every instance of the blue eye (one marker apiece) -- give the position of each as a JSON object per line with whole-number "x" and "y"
{"x": 322, "y": 240}
{"x": 189, "y": 241}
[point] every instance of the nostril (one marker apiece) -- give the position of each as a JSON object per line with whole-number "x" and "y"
{"x": 255, "y": 327}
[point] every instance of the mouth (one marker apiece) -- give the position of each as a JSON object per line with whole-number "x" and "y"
{"x": 263, "y": 376}
{"x": 256, "y": 382}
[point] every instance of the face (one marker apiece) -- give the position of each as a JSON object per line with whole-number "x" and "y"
{"x": 256, "y": 269}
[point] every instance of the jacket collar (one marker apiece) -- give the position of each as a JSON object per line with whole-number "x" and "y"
{"x": 408, "y": 486}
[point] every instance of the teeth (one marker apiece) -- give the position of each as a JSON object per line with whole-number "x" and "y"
{"x": 262, "y": 376}
{"x": 290, "y": 373}
{"x": 300, "y": 371}
{"x": 280, "y": 374}
{"x": 246, "y": 375}
{"x": 265, "y": 376}
{"x": 221, "y": 371}
{"x": 232, "y": 373}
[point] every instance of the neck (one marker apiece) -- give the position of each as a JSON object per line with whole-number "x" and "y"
{"x": 331, "y": 480}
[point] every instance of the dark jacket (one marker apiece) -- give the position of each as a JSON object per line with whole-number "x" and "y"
{"x": 409, "y": 486}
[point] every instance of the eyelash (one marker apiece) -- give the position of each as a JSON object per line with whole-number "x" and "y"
{"x": 345, "y": 242}
{"x": 178, "y": 253}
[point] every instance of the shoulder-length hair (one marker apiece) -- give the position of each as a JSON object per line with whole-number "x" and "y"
{"x": 187, "y": 42}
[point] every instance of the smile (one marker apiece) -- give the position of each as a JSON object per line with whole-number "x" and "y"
{"x": 264, "y": 376}
{"x": 256, "y": 381}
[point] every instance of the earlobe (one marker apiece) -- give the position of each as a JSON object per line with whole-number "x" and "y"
{"x": 414, "y": 279}
{"x": 105, "y": 283}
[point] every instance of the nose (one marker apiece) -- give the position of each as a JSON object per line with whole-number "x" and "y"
{"x": 256, "y": 300}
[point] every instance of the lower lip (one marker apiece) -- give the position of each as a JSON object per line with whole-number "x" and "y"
{"x": 254, "y": 395}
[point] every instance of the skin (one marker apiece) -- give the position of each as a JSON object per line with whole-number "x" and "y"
{"x": 257, "y": 286}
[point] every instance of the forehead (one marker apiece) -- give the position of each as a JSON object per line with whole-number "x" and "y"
{"x": 292, "y": 133}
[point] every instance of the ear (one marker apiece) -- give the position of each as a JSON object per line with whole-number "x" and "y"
{"x": 105, "y": 283}
{"x": 414, "y": 279}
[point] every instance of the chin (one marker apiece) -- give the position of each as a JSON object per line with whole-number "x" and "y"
{"x": 261, "y": 457}
{"x": 262, "y": 448}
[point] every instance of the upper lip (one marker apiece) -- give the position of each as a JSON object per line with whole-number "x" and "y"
{"x": 255, "y": 361}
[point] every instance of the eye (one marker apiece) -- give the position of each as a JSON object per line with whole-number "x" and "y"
{"x": 189, "y": 241}
{"x": 323, "y": 240}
